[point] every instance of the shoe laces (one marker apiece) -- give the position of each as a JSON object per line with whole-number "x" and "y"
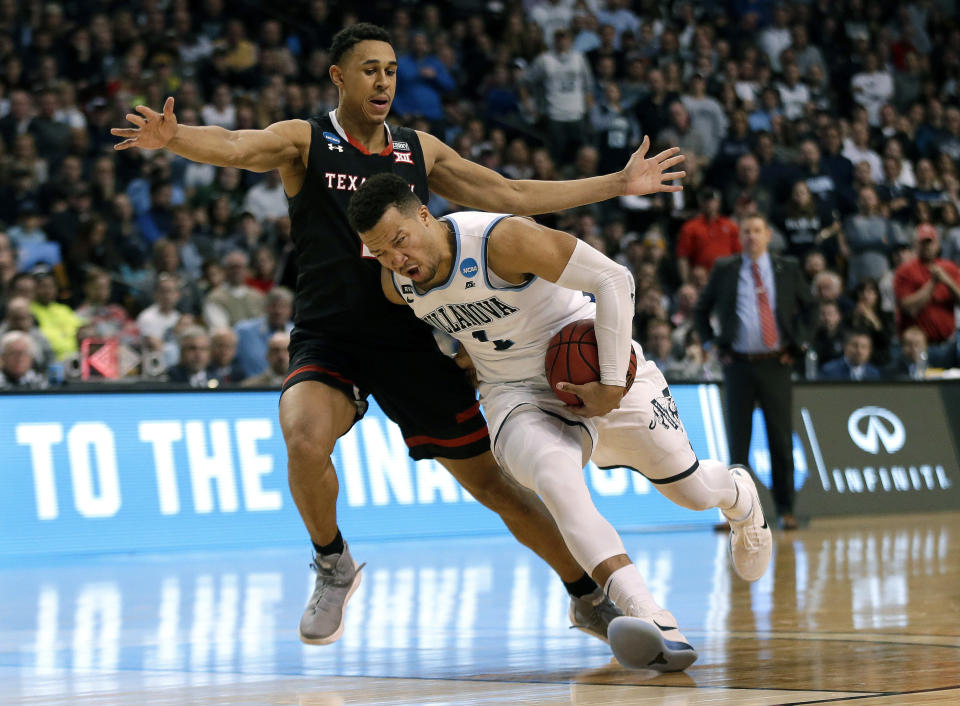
{"x": 329, "y": 577}
{"x": 601, "y": 612}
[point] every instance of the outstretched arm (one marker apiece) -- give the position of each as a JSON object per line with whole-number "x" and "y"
{"x": 282, "y": 145}
{"x": 464, "y": 182}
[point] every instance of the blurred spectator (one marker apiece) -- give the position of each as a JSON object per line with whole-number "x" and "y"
{"x": 869, "y": 238}
{"x": 706, "y": 114}
{"x": 653, "y": 110}
{"x": 264, "y": 269}
{"x": 58, "y": 322}
{"x": 658, "y": 344}
{"x": 681, "y": 132}
{"x": 869, "y": 317}
{"x": 617, "y": 130}
{"x": 695, "y": 364}
{"x": 16, "y": 361}
{"x": 563, "y": 82}
{"x": 872, "y": 87}
{"x": 808, "y": 224}
{"x": 8, "y": 262}
{"x": 20, "y": 318}
{"x": 828, "y": 287}
{"x": 194, "y": 344}
{"x": 856, "y": 148}
{"x": 747, "y": 195}
{"x": 266, "y": 200}
{"x": 855, "y": 363}
{"x": 897, "y": 198}
{"x": 950, "y": 219}
{"x": 253, "y": 334}
{"x": 927, "y": 290}
{"x": 224, "y": 366}
{"x": 278, "y": 363}
{"x": 157, "y": 321}
{"x": 425, "y": 79}
{"x": 830, "y": 333}
{"x": 234, "y": 300}
{"x": 220, "y": 111}
{"x": 105, "y": 319}
{"x": 706, "y": 237}
{"x": 910, "y": 362}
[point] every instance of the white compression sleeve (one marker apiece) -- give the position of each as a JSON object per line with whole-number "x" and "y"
{"x": 590, "y": 271}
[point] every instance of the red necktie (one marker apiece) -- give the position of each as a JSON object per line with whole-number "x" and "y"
{"x": 768, "y": 327}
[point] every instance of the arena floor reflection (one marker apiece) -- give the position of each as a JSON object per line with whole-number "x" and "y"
{"x": 486, "y": 609}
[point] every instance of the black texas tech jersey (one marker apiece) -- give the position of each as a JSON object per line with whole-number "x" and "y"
{"x": 338, "y": 287}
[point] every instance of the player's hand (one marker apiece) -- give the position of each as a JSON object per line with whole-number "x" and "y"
{"x": 153, "y": 130}
{"x": 597, "y": 398}
{"x": 463, "y": 359}
{"x": 647, "y": 176}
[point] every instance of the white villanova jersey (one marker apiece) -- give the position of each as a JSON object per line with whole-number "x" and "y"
{"x": 504, "y": 327}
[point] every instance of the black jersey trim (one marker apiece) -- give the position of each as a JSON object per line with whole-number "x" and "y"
{"x": 483, "y": 260}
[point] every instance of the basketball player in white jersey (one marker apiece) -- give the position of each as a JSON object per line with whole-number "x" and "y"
{"x": 503, "y": 286}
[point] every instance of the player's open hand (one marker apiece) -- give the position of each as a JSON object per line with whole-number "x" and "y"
{"x": 153, "y": 130}
{"x": 650, "y": 175}
{"x": 597, "y": 398}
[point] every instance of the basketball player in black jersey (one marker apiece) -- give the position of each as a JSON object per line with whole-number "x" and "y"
{"x": 348, "y": 342}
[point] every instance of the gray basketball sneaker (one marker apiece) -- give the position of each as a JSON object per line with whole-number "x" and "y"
{"x": 337, "y": 578}
{"x": 592, "y": 613}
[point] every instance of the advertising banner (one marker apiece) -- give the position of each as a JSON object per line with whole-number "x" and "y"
{"x": 125, "y": 471}
{"x": 873, "y": 448}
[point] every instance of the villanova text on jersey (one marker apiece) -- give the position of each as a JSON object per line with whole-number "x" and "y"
{"x": 460, "y": 317}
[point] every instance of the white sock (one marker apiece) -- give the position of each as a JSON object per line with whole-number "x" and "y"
{"x": 629, "y": 592}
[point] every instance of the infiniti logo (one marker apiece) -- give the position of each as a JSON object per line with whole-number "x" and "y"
{"x": 883, "y": 427}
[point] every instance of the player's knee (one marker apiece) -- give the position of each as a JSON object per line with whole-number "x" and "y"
{"x": 306, "y": 446}
{"x": 689, "y": 493}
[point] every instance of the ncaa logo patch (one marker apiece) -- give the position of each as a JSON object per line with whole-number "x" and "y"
{"x": 468, "y": 268}
{"x": 330, "y": 137}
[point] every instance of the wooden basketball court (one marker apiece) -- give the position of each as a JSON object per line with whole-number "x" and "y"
{"x": 863, "y": 611}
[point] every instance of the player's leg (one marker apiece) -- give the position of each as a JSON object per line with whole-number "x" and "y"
{"x": 647, "y": 435}
{"x": 547, "y": 453}
{"x": 315, "y": 410}
{"x": 440, "y": 418}
{"x": 776, "y": 402}
{"x": 529, "y": 521}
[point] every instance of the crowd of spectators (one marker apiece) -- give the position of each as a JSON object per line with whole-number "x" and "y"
{"x": 839, "y": 120}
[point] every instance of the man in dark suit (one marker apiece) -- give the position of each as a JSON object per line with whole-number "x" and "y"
{"x": 855, "y": 363}
{"x": 766, "y": 315}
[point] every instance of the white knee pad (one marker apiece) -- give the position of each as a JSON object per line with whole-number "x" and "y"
{"x": 548, "y": 459}
{"x": 710, "y": 485}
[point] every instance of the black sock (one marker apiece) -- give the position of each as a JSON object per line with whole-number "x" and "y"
{"x": 581, "y": 587}
{"x": 335, "y": 547}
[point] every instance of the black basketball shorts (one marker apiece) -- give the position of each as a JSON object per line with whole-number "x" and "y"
{"x": 417, "y": 386}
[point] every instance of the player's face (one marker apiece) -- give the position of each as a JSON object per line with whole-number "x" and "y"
{"x": 367, "y": 79}
{"x": 403, "y": 243}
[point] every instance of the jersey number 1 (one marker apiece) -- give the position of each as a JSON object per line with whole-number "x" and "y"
{"x": 500, "y": 345}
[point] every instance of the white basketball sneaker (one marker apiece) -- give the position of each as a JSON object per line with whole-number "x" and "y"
{"x": 751, "y": 542}
{"x": 653, "y": 642}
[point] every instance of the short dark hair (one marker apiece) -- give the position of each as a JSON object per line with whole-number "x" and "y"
{"x": 375, "y": 196}
{"x": 348, "y": 37}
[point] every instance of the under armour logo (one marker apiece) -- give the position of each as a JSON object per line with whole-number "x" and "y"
{"x": 338, "y": 148}
{"x": 470, "y": 284}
